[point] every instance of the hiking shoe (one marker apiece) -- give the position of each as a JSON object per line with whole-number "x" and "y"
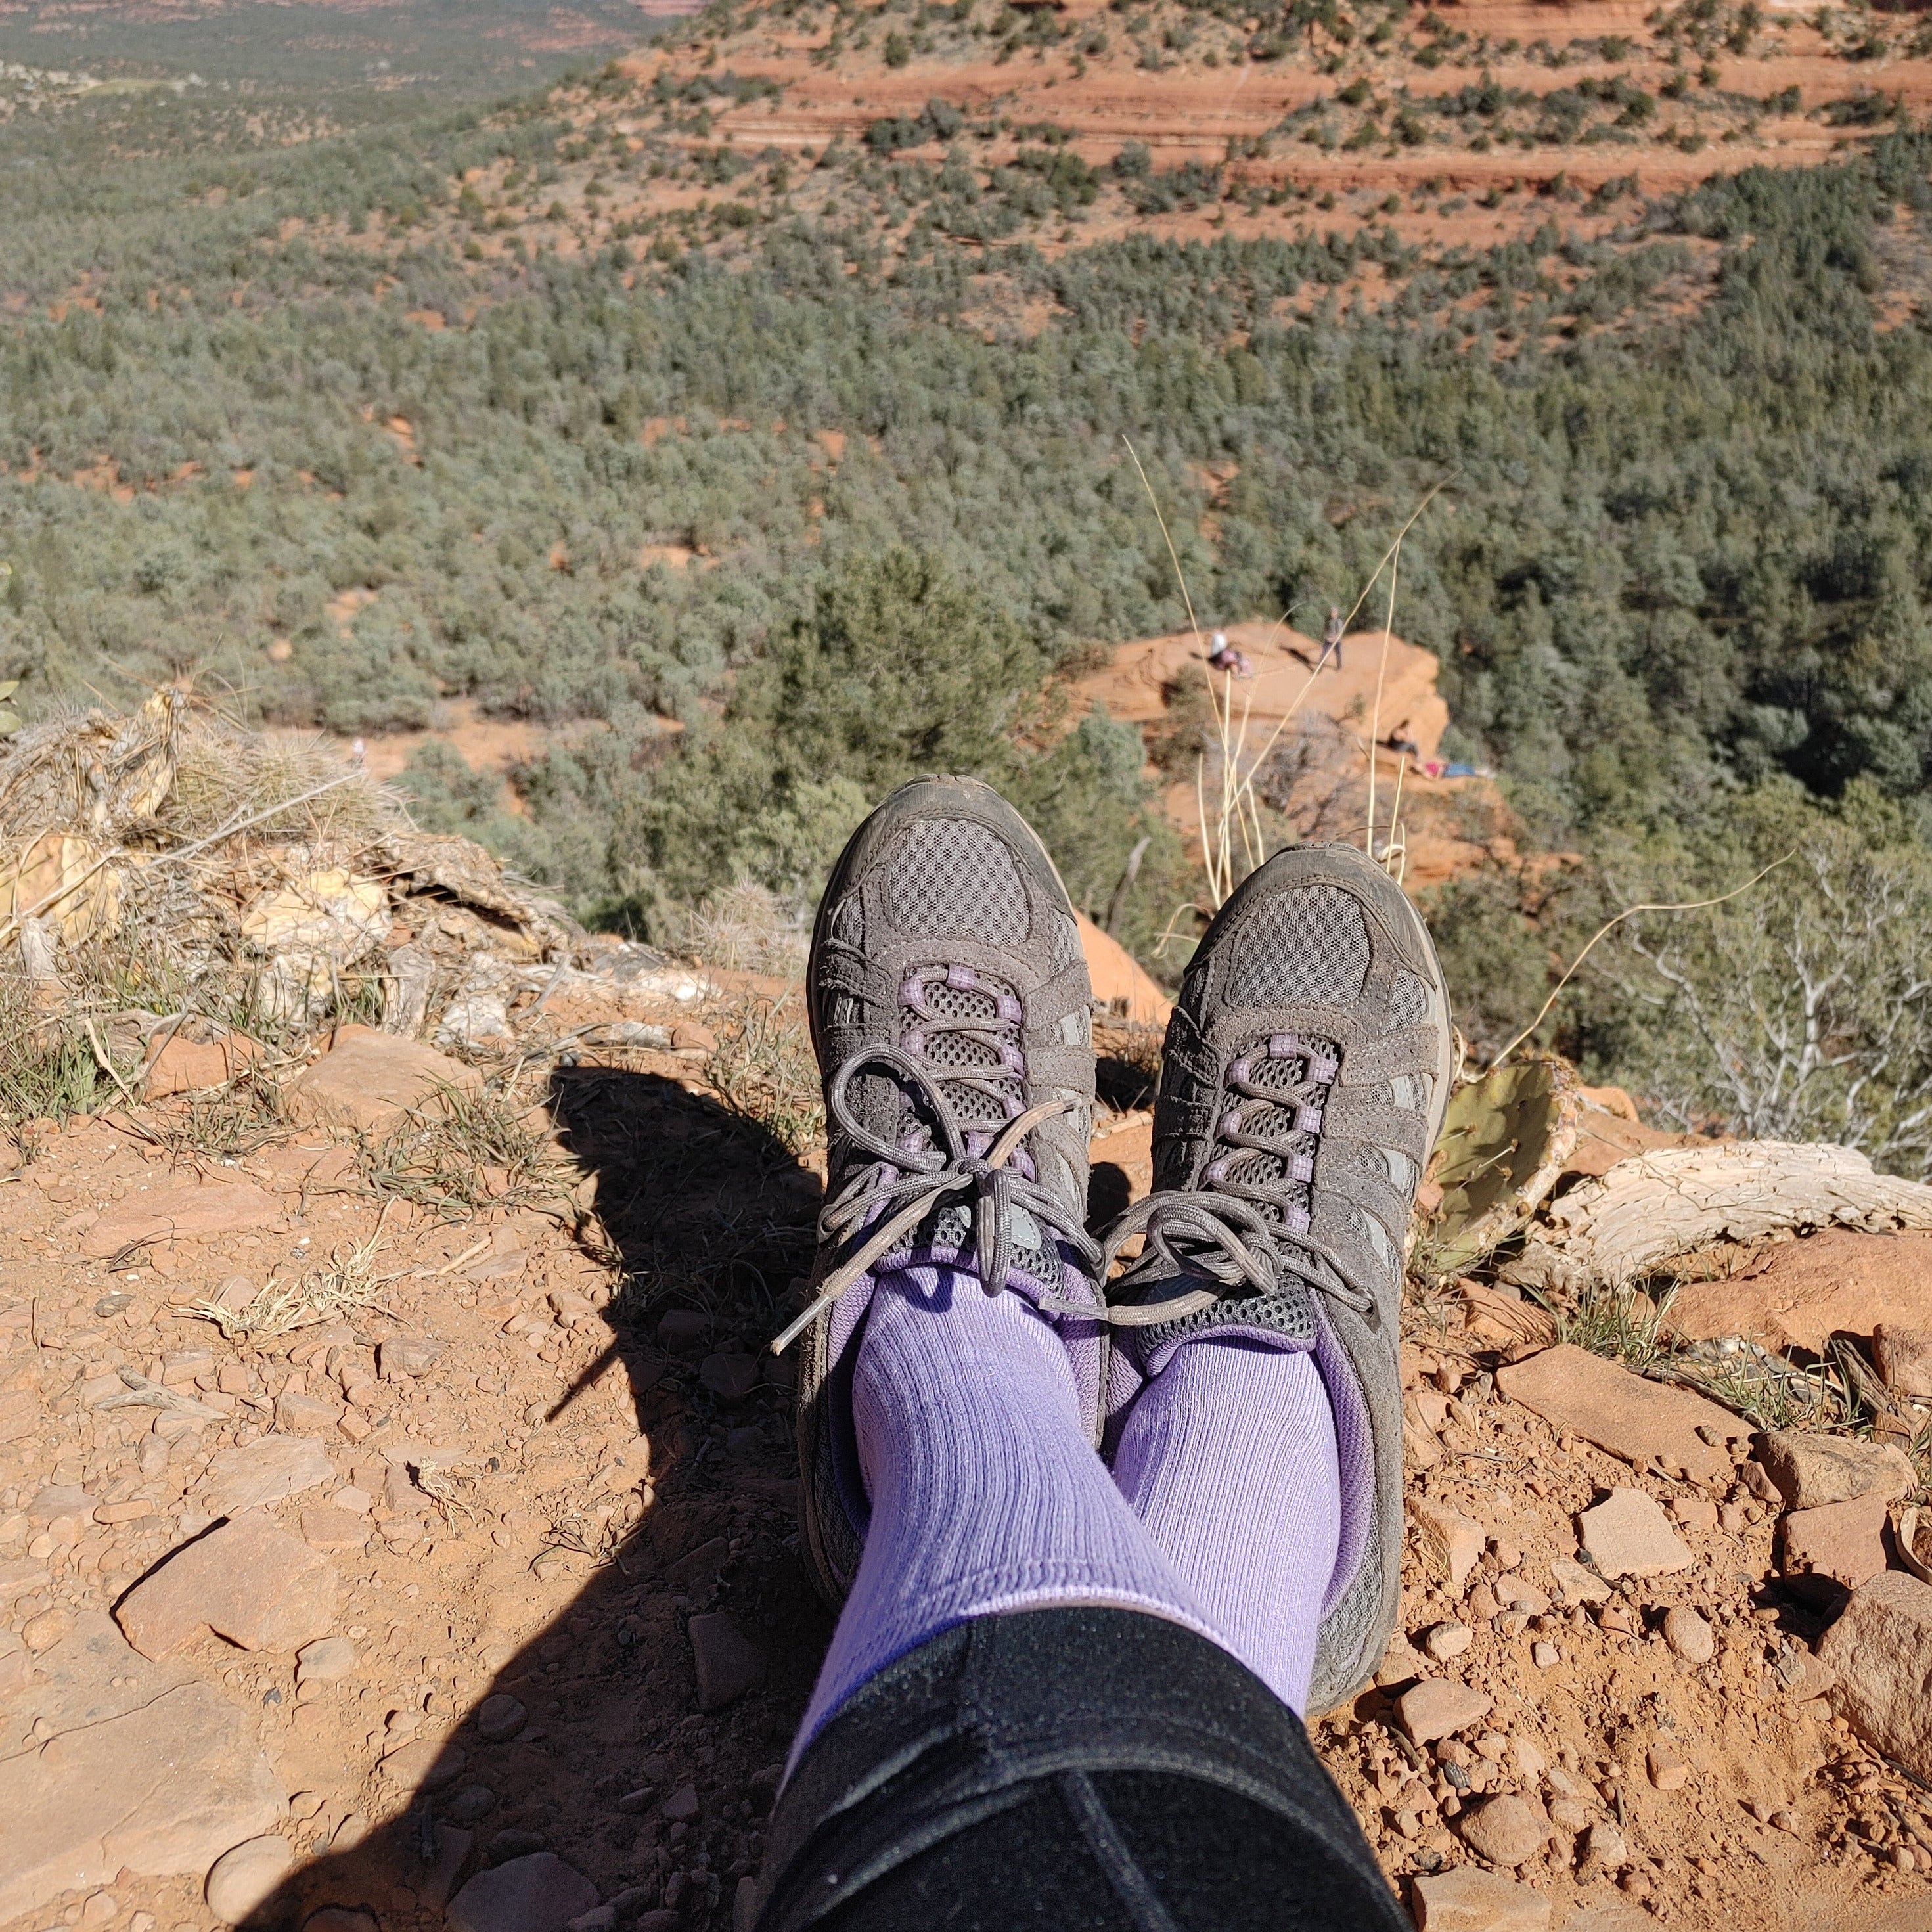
{"x": 1306, "y": 1072}
{"x": 952, "y": 1017}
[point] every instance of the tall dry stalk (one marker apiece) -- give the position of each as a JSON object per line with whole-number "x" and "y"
{"x": 1234, "y": 815}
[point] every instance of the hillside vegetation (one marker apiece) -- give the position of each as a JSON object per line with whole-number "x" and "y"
{"x": 776, "y": 495}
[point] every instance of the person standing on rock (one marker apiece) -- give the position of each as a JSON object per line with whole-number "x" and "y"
{"x": 1099, "y": 1542}
{"x": 1331, "y": 637}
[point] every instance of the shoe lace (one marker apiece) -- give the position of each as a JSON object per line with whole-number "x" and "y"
{"x": 904, "y": 1184}
{"x": 1247, "y": 1224}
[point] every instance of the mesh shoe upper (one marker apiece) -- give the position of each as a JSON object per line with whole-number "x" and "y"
{"x": 1307, "y": 1069}
{"x": 949, "y": 998}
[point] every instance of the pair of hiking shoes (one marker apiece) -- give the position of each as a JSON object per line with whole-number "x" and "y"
{"x": 1307, "y": 1069}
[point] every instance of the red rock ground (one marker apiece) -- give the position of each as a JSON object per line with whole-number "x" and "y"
{"x": 597, "y": 1478}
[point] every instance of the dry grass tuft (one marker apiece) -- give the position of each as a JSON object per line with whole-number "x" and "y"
{"x": 348, "y": 1283}
{"x": 292, "y": 789}
{"x": 747, "y": 929}
{"x": 491, "y": 1149}
{"x": 764, "y": 1069}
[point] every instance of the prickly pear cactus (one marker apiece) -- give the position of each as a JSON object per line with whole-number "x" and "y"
{"x": 1504, "y": 1141}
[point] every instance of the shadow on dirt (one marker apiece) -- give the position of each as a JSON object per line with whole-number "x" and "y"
{"x": 653, "y": 1792}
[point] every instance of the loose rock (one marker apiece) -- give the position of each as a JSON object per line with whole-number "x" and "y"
{"x": 187, "y": 1213}
{"x": 162, "y": 1789}
{"x": 1456, "y": 1539}
{"x": 1688, "y": 1635}
{"x": 1835, "y": 1547}
{"x": 335, "y": 1530}
{"x": 248, "y": 1581}
{"x": 1468, "y": 1900}
{"x": 244, "y": 1880}
{"x": 683, "y": 1331}
{"x": 1605, "y": 1850}
{"x": 1809, "y": 1471}
{"x": 707, "y": 1560}
{"x": 513, "y": 1843}
{"x": 1839, "y": 1280}
{"x": 375, "y": 1080}
{"x": 500, "y": 1717}
{"x": 262, "y": 1472}
{"x": 1438, "y": 1707}
{"x": 404, "y": 1355}
{"x": 425, "y": 1764}
{"x": 1578, "y": 1394}
{"x": 728, "y": 1663}
{"x": 1578, "y": 1584}
{"x": 1627, "y": 1534}
{"x": 1904, "y": 1357}
{"x": 1880, "y": 1651}
{"x": 1668, "y": 1771}
{"x": 730, "y": 1378}
{"x": 1508, "y": 1831}
{"x": 1444, "y": 1641}
{"x": 538, "y": 1893}
{"x": 325, "y": 1660}
{"x": 298, "y": 1414}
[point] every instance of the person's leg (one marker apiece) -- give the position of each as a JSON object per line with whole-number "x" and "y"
{"x": 1074, "y": 1770}
{"x": 947, "y": 1432}
{"x": 1256, "y": 1420}
{"x": 985, "y": 1493}
{"x": 1228, "y": 1457}
{"x": 950, "y": 1487}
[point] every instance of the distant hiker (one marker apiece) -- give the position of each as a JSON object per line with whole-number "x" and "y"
{"x": 358, "y": 751}
{"x": 1224, "y": 657}
{"x": 1331, "y": 637}
{"x": 1400, "y": 740}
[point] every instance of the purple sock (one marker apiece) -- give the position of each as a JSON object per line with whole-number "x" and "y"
{"x": 1228, "y": 1456}
{"x": 986, "y": 1494}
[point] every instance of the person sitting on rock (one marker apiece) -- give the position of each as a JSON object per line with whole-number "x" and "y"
{"x": 1099, "y": 1541}
{"x": 1224, "y": 657}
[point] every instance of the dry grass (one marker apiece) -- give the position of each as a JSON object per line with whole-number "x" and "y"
{"x": 348, "y": 1283}
{"x": 1234, "y": 838}
{"x": 747, "y": 929}
{"x": 478, "y": 1151}
{"x": 764, "y": 1069}
{"x": 224, "y": 1124}
{"x": 293, "y": 790}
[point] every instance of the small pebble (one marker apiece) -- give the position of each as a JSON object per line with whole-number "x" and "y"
{"x": 1689, "y": 1635}
{"x": 1668, "y": 1770}
{"x": 500, "y": 1717}
{"x": 1447, "y": 1640}
{"x": 472, "y": 1804}
{"x": 244, "y": 1880}
{"x": 1545, "y": 1655}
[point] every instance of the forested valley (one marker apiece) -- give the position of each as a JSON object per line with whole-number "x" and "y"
{"x": 769, "y": 502}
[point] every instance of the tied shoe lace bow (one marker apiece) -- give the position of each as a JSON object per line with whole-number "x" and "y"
{"x": 905, "y": 1199}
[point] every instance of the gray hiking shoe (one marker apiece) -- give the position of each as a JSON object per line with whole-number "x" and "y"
{"x": 1307, "y": 1070}
{"x": 951, "y": 1014}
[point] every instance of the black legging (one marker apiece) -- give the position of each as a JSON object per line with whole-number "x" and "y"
{"x": 1081, "y": 1770}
